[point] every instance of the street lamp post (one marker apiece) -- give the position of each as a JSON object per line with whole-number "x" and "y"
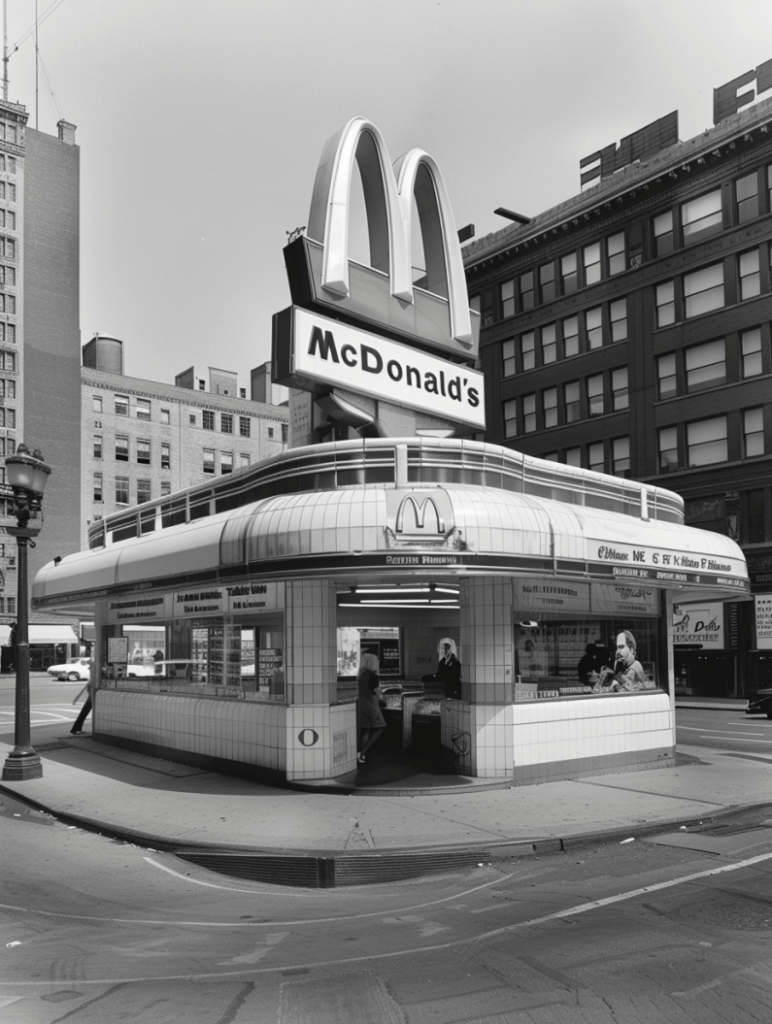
{"x": 27, "y": 475}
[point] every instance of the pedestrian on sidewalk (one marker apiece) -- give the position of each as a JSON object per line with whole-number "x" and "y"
{"x": 85, "y": 711}
{"x": 371, "y": 722}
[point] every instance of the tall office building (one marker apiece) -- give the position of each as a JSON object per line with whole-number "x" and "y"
{"x": 39, "y": 330}
{"x": 628, "y": 331}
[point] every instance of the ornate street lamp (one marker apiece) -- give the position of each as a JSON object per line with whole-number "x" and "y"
{"x": 27, "y": 475}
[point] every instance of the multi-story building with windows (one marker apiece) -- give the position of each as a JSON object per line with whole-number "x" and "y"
{"x": 39, "y": 347}
{"x": 142, "y": 439}
{"x": 628, "y": 330}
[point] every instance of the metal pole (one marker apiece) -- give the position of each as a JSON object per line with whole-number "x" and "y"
{"x": 22, "y": 763}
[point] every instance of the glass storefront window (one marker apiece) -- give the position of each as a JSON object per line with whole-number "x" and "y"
{"x": 586, "y": 656}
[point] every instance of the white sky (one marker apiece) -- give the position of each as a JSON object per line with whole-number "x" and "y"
{"x": 201, "y": 123}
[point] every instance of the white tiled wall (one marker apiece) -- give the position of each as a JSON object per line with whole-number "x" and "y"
{"x": 559, "y": 730}
{"x": 486, "y": 634}
{"x": 242, "y": 731}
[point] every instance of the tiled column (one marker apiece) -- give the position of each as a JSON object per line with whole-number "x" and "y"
{"x": 310, "y": 620}
{"x": 320, "y": 736}
{"x": 487, "y": 648}
{"x": 480, "y": 728}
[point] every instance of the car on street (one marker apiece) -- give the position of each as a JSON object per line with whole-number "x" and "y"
{"x": 173, "y": 668}
{"x": 760, "y": 703}
{"x": 71, "y": 670}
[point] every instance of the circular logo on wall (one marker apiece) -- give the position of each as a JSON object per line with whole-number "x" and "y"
{"x": 308, "y": 737}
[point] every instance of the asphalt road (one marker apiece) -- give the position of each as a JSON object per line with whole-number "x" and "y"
{"x": 97, "y": 931}
{"x": 724, "y": 730}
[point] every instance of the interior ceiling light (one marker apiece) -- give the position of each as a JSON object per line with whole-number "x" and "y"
{"x": 528, "y": 624}
{"x": 416, "y": 605}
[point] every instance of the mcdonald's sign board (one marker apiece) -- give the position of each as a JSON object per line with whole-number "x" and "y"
{"x": 316, "y": 353}
{"x": 433, "y": 314}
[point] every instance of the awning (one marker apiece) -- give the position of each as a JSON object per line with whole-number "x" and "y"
{"x": 389, "y": 531}
{"x": 42, "y": 634}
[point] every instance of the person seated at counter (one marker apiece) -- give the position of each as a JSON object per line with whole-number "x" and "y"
{"x": 592, "y": 663}
{"x": 448, "y": 668}
{"x": 627, "y": 673}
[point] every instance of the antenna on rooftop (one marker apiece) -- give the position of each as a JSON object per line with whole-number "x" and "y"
{"x": 5, "y": 49}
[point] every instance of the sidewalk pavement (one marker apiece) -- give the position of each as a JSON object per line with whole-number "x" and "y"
{"x": 252, "y": 830}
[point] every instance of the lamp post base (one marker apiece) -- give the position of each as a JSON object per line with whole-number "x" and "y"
{"x": 22, "y": 766}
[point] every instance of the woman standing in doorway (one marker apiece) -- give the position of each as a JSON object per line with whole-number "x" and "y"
{"x": 371, "y": 722}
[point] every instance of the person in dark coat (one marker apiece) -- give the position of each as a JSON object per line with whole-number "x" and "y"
{"x": 448, "y": 668}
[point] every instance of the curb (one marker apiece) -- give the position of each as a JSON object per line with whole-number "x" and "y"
{"x": 330, "y": 869}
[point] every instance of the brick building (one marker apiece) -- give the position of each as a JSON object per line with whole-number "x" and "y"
{"x": 39, "y": 341}
{"x": 628, "y": 331}
{"x": 141, "y": 439}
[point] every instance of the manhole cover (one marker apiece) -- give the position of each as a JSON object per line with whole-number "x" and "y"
{"x": 731, "y": 912}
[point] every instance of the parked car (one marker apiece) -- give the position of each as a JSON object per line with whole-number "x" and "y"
{"x": 173, "y": 668}
{"x": 71, "y": 670}
{"x": 760, "y": 703}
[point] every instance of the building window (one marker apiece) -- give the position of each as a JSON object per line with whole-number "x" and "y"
{"x": 166, "y": 488}
{"x": 596, "y": 457}
{"x": 11, "y": 605}
{"x": 550, "y": 406}
{"x": 595, "y": 395}
{"x": 547, "y": 287}
{"x": 510, "y": 418}
{"x": 226, "y": 462}
{"x": 270, "y": 431}
{"x": 753, "y": 433}
{"x": 207, "y": 419}
{"x": 572, "y": 401}
{"x": 166, "y": 456}
{"x": 706, "y": 365}
{"x": 750, "y": 278}
{"x": 747, "y": 197}
{"x": 121, "y": 448}
{"x": 122, "y": 490}
{"x": 615, "y": 247}
{"x": 706, "y": 442}
{"x": 98, "y": 487}
{"x": 8, "y": 333}
{"x": 573, "y": 456}
{"x": 618, "y": 318}
{"x": 666, "y": 376}
{"x": 508, "y": 357}
{"x": 620, "y": 398}
{"x": 121, "y": 405}
{"x": 284, "y": 433}
{"x": 97, "y": 446}
{"x": 754, "y": 504}
{"x": 549, "y": 343}
{"x": 226, "y": 423}
{"x": 750, "y": 342}
{"x": 143, "y": 408}
{"x": 701, "y": 217}
{"x": 192, "y": 419}
{"x": 665, "y": 304}
{"x": 165, "y": 416}
{"x": 593, "y": 322}
{"x": 143, "y": 452}
{"x": 568, "y": 275}
{"x": 704, "y": 290}
{"x": 8, "y": 248}
{"x": 526, "y": 289}
{"x": 529, "y": 414}
{"x": 8, "y": 362}
{"x": 8, "y": 388}
{"x": 528, "y": 350}
{"x": 571, "y": 336}
{"x": 209, "y": 460}
{"x": 591, "y": 262}
{"x": 668, "y": 449}
{"x": 96, "y": 403}
{"x": 7, "y": 303}
{"x": 244, "y": 459}
{"x": 245, "y": 426}
{"x": 620, "y": 447}
{"x": 507, "y": 294}
{"x": 143, "y": 491}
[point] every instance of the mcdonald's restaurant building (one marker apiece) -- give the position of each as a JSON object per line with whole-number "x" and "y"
{"x": 232, "y": 618}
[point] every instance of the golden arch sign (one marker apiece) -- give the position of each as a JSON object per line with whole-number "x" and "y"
{"x": 435, "y": 312}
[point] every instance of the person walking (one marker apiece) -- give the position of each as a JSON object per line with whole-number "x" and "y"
{"x": 371, "y": 722}
{"x": 85, "y": 711}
